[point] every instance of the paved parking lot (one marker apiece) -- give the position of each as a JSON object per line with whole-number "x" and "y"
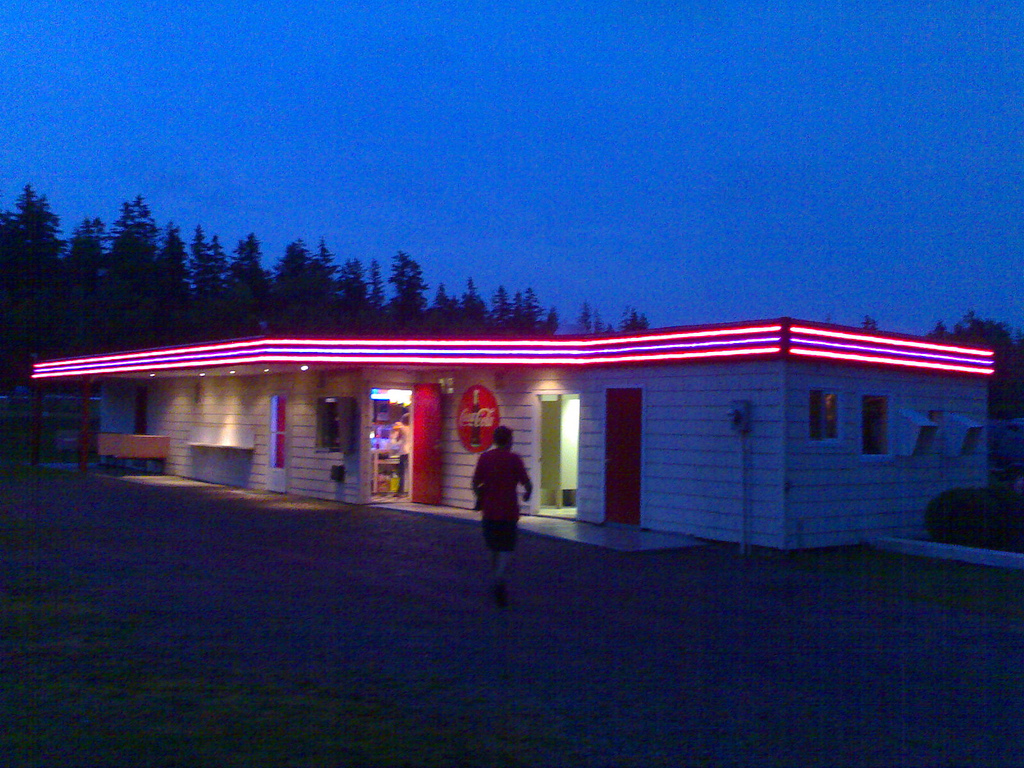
{"x": 689, "y": 656}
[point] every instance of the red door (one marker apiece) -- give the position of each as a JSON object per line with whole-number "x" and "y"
{"x": 623, "y": 411}
{"x": 426, "y": 444}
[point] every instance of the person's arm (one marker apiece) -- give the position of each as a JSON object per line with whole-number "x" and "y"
{"x": 524, "y": 478}
{"x": 477, "y": 483}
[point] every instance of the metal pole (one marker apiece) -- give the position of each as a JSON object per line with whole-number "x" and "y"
{"x": 745, "y": 514}
{"x": 36, "y": 430}
{"x": 85, "y": 432}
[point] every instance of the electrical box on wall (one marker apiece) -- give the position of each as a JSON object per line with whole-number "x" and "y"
{"x": 741, "y": 416}
{"x": 338, "y": 473}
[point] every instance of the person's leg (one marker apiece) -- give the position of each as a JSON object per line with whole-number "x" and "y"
{"x": 499, "y": 564}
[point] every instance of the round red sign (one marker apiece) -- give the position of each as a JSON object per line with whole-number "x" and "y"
{"x": 477, "y": 417}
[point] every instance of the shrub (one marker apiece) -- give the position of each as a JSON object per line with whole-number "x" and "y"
{"x": 992, "y": 518}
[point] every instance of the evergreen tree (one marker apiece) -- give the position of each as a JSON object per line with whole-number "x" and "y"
{"x": 376, "y": 286}
{"x": 550, "y": 325}
{"x": 85, "y": 263}
{"x": 526, "y": 313}
{"x": 322, "y": 262}
{"x": 442, "y": 317}
{"x": 1006, "y": 385}
{"x": 30, "y": 247}
{"x": 353, "y": 293}
{"x": 633, "y": 320}
{"x": 32, "y": 306}
{"x": 304, "y": 289}
{"x": 409, "y": 302}
{"x": 172, "y": 267}
{"x": 291, "y": 270}
{"x": 248, "y": 288}
{"x": 246, "y": 268}
{"x": 585, "y": 322}
{"x": 499, "y": 319}
{"x": 473, "y": 311}
{"x": 208, "y": 267}
{"x": 218, "y": 274}
{"x": 133, "y": 249}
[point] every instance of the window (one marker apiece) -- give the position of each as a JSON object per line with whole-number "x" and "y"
{"x": 874, "y": 425}
{"x": 824, "y": 415}
{"x": 336, "y": 424}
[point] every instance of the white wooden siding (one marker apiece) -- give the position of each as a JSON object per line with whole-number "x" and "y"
{"x": 835, "y": 495}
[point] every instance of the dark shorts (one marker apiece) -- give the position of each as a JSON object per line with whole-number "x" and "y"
{"x": 500, "y": 535}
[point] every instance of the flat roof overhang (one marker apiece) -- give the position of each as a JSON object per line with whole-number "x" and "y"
{"x": 774, "y": 338}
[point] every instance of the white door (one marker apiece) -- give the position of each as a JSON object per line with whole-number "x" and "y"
{"x": 277, "y": 479}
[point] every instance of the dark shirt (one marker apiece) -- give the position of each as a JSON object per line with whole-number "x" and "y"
{"x": 497, "y": 474}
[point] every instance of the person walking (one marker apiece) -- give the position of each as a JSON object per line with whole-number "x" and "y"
{"x": 499, "y": 473}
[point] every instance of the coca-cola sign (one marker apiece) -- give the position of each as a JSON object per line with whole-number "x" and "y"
{"x": 477, "y": 417}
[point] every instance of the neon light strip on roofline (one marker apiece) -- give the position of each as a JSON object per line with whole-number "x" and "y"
{"x": 570, "y": 345}
{"x": 762, "y": 338}
{"x": 890, "y": 361}
{"x": 815, "y": 343}
{"x": 418, "y": 360}
{"x": 319, "y": 351}
{"x": 229, "y": 354}
{"x": 895, "y": 342}
{"x": 150, "y": 353}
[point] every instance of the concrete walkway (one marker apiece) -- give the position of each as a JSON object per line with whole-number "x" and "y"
{"x": 619, "y": 538}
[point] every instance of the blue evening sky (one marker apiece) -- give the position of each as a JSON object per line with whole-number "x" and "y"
{"x": 703, "y": 161}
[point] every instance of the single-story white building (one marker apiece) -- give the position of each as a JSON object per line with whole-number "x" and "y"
{"x": 780, "y": 433}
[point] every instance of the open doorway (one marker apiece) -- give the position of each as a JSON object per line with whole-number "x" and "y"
{"x": 559, "y": 454}
{"x": 391, "y": 444}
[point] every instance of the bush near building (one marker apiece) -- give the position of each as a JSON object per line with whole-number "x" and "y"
{"x": 991, "y": 518}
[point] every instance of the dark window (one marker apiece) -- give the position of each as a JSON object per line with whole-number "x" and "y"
{"x": 824, "y": 412}
{"x": 336, "y": 424}
{"x": 874, "y": 424}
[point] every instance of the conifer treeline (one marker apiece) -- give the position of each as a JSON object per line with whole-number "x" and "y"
{"x": 134, "y": 284}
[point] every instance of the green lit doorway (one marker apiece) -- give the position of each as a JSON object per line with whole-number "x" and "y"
{"x": 559, "y": 454}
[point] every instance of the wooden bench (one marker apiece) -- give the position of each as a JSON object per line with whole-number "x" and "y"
{"x": 130, "y": 449}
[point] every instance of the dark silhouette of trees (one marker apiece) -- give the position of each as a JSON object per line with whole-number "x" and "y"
{"x": 409, "y": 303}
{"x": 172, "y": 272}
{"x": 30, "y": 248}
{"x": 473, "y": 310}
{"x": 302, "y": 292}
{"x": 248, "y": 288}
{"x": 207, "y": 267}
{"x": 31, "y": 295}
{"x": 1006, "y": 386}
{"x": 633, "y": 320}
{"x": 375, "y": 290}
{"x": 137, "y": 285}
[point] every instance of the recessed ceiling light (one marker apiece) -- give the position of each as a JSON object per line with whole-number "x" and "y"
{"x": 304, "y": 368}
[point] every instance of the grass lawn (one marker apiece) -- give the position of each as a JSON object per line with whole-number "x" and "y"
{"x": 80, "y": 689}
{"x": 941, "y": 583}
